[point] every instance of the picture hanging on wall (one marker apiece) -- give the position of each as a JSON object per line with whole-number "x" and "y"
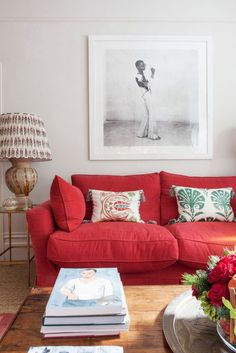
{"x": 150, "y": 97}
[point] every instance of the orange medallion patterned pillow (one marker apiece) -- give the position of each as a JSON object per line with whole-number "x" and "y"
{"x": 116, "y": 206}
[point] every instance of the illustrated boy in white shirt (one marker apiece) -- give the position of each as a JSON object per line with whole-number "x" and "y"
{"x": 88, "y": 289}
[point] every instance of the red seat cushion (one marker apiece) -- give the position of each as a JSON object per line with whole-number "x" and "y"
{"x": 131, "y": 247}
{"x": 149, "y": 183}
{"x": 198, "y": 240}
{"x": 67, "y": 203}
{"x": 169, "y": 209}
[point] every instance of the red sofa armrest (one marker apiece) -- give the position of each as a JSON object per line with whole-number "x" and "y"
{"x": 41, "y": 225}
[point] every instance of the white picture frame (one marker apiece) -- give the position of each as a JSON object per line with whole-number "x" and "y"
{"x": 127, "y": 115}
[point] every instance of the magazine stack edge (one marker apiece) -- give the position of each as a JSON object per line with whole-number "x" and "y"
{"x": 76, "y": 349}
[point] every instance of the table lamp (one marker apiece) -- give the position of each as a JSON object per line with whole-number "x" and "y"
{"x": 23, "y": 140}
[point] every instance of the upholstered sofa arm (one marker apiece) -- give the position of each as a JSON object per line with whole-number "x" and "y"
{"x": 41, "y": 224}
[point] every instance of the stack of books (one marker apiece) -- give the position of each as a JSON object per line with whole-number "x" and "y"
{"x": 86, "y": 302}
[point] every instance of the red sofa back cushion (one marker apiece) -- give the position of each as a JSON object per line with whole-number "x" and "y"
{"x": 169, "y": 209}
{"x": 149, "y": 183}
{"x": 67, "y": 203}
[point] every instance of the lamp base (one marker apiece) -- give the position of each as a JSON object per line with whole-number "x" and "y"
{"x": 21, "y": 179}
{"x": 24, "y": 202}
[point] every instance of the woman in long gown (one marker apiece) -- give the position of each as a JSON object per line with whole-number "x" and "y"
{"x": 147, "y": 127}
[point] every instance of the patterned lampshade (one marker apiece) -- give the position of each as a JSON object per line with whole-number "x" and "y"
{"x": 23, "y": 135}
{"x": 23, "y": 139}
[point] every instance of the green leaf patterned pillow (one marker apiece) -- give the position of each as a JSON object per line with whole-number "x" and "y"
{"x": 195, "y": 205}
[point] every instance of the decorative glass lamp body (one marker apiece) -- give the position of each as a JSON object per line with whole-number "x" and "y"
{"x": 21, "y": 178}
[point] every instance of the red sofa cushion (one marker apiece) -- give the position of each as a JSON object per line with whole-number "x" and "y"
{"x": 149, "y": 183}
{"x": 169, "y": 209}
{"x": 132, "y": 247}
{"x": 67, "y": 203}
{"x": 198, "y": 240}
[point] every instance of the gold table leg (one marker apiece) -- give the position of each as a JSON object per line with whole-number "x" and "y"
{"x": 9, "y": 234}
{"x": 10, "y": 247}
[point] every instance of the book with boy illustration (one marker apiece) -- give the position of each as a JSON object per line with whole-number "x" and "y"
{"x": 84, "y": 292}
{"x": 76, "y": 349}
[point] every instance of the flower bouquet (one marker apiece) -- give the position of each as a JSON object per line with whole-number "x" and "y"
{"x": 212, "y": 288}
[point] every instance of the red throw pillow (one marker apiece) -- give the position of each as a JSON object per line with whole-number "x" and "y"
{"x": 67, "y": 203}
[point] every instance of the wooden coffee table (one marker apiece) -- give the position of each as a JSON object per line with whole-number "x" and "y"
{"x": 146, "y": 306}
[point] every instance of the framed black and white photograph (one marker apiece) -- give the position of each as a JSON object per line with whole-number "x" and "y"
{"x": 150, "y": 97}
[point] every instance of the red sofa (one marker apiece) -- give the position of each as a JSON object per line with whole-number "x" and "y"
{"x": 153, "y": 252}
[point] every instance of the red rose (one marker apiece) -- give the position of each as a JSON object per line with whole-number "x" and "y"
{"x": 230, "y": 261}
{"x": 222, "y": 272}
{"x": 217, "y": 291}
{"x": 229, "y": 258}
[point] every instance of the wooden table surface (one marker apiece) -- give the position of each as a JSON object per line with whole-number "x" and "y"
{"x": 146, "y": 306}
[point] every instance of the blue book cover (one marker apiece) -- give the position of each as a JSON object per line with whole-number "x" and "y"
{"x": 91, "y": 291}
{"x": 76, "y": 349}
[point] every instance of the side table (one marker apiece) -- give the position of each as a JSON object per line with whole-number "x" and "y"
{"x": 29, "y": 258}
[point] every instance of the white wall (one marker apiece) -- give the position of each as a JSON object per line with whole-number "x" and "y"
{"x": 44, "y": 56}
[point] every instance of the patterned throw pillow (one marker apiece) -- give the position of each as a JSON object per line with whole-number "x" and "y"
{"x": 196, "y": 204}
{"x": 116, "y": 206}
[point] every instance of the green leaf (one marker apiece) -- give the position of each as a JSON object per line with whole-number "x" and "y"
{"x": 199, "y": 280}
{"x": 229, "y": 252}
{"x": 212, "y": 262}
{"x": 189, "y": 279}
{"x": 229, "y": 306}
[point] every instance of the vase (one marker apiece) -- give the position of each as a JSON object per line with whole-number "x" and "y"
{"x": 223, "y": 331}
